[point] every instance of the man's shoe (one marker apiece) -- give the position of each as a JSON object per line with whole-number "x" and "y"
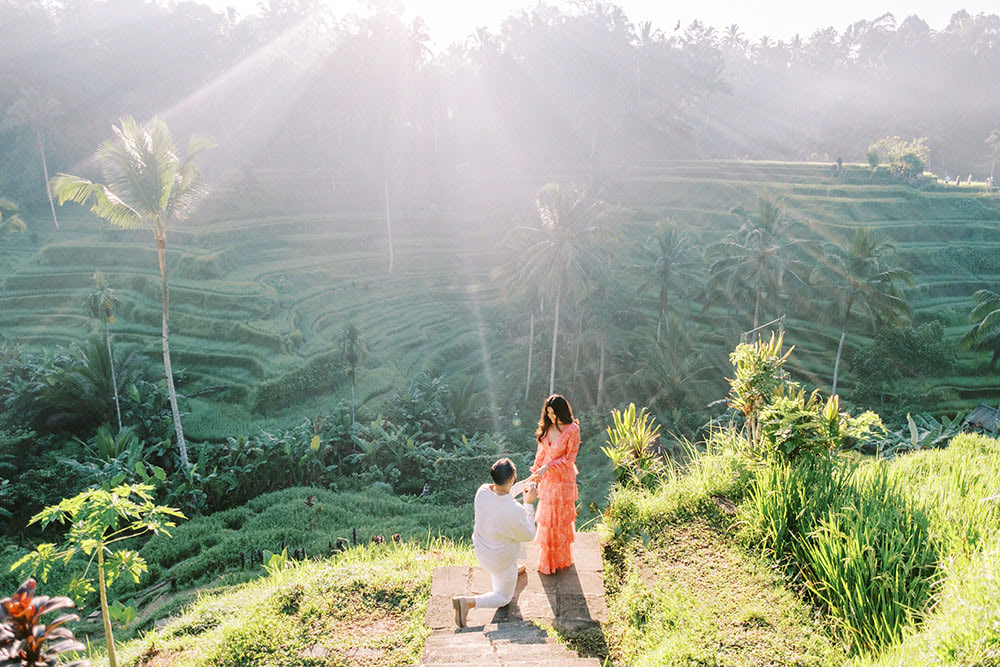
{"x": 461, "y": 606}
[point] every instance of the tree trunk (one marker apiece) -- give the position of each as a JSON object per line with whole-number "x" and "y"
{"x": 531, "y": 347}
{"x": 836, "y": 364}
{"x": 45, "y": 170}
{"x": 843, "y": 333}
{"x": 352, "y": 399}
{"x": 161, "y": 252}
{"x": 114, "y": 380}
{"x": 600, "y": 377}
{"x": 756, "y": 315}
{"x": 555, "y": 338}
{"x": 388, "y": 224}
{"x": 105, "y": 613}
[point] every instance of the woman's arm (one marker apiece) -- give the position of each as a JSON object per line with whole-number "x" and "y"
{"x": 570, "y": 441}
{"x": 538, "y": 458}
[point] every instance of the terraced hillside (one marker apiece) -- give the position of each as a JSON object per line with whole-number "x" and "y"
{"x": 262, "y": 286}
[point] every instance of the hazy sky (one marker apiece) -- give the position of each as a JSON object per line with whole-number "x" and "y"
{"x": 455, "y": 19}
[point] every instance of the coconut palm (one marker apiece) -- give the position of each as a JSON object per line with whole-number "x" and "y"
{"x": 985, "y": 333}
{"x": 673, "y": 256}
{"x": 148, "y": 184}
{"x": 353, "y": 348}
{"x": 752, "y": 264}
{"x": 671, "y": 373}
{"x": 856, "y": 275}
{"x": 102, "y": 303}
{"x": 557, "y": 249}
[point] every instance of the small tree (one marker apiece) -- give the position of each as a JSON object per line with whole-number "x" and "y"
{"x": 906, "y": 159}
{"x": 101, "y": 304}
{"x": 99, "y": 518}
{"x": 353, "y": 348}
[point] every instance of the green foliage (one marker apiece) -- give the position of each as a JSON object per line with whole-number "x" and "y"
{"x": 985, "y": 331}
{"x": 631, "y": 446}
{"x": 99, "y": 518}
{"x": 793, "y": 426}
{"x": 760, "y": 375}
{"x": 123, "y": 458}
{"x": 895, "y": 373}
{"x": 319, "y": 373}
{"x": 922, "y": 431}
{"x": 217, "y": 545}
{"x": 276, "y": 562}
{"x": 906, "y": 159}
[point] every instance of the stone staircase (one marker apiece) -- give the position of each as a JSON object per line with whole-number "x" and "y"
{"x": 572, "y": 599}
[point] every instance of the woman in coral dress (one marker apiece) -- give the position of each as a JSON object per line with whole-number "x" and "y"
{"x": 558, "y": 438}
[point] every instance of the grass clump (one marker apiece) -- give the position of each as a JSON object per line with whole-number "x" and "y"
{"x": 364, "y": 606}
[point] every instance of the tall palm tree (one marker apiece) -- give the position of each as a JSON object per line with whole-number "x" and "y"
{"x": 353, "y": 348}
{"x": 148, "y": 185}
{"x": 102, "y": 303}
{"x": 673, "y": 256}
{"x": 856, "y": 275}
{"x": 753, "y": 262}
{"x": 985, "y": 333}
{"x": 557, "y": 248}
{"x": 38, "y": 113}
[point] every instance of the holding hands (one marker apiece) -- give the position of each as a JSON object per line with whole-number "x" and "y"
{"x": 530, "y": 494}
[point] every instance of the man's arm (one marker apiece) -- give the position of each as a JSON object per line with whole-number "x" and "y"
{"x": 523, "y": 529}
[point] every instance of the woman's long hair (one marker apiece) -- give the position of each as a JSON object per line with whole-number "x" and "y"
{"x": 560, "y": 406}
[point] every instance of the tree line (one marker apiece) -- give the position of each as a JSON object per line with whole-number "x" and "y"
{"x": 365, "y": 98}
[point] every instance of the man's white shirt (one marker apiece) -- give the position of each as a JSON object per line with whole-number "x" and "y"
{"x": 502, "y": 524}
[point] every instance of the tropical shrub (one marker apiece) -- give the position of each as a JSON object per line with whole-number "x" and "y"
{"x": 25, "y": 640}
{"x": 631, "y": 446}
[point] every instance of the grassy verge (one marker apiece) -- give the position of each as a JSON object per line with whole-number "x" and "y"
{"x": 362, "y": 607}
{"x": 681, "y": 591}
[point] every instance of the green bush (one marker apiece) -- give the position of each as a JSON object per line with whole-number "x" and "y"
{"x": 319, "y": 373}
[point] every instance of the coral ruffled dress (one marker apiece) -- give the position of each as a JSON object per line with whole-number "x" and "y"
{"x": 556, "y": 515}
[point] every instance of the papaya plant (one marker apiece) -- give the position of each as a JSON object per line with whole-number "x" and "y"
{"x": 99, "y": 519}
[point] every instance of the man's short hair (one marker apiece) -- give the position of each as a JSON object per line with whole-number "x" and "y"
{"x": 503, "y": 471}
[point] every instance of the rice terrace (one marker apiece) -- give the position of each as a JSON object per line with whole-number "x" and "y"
{"x": 281, "y": 300}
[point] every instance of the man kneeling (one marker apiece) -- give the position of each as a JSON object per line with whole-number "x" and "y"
{"x": 501, "y": 525}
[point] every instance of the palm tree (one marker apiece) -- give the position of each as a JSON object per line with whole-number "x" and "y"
{"x": 10, "y": 221}
{"x": 993, "y": 141}
{"x": 353, "y": 348}
{"x": 753, "y": 262}
{"x": 985, "y": 333}
{"x": 36, "y": 112}
{"x": 148, "y": 185}
{"x": 670, "y": 374}
{"x": 557, "y": 248}
{"x": 102, "y": 303}
{"x": 671, "y": 254}
{"x": 856, "y": 276}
